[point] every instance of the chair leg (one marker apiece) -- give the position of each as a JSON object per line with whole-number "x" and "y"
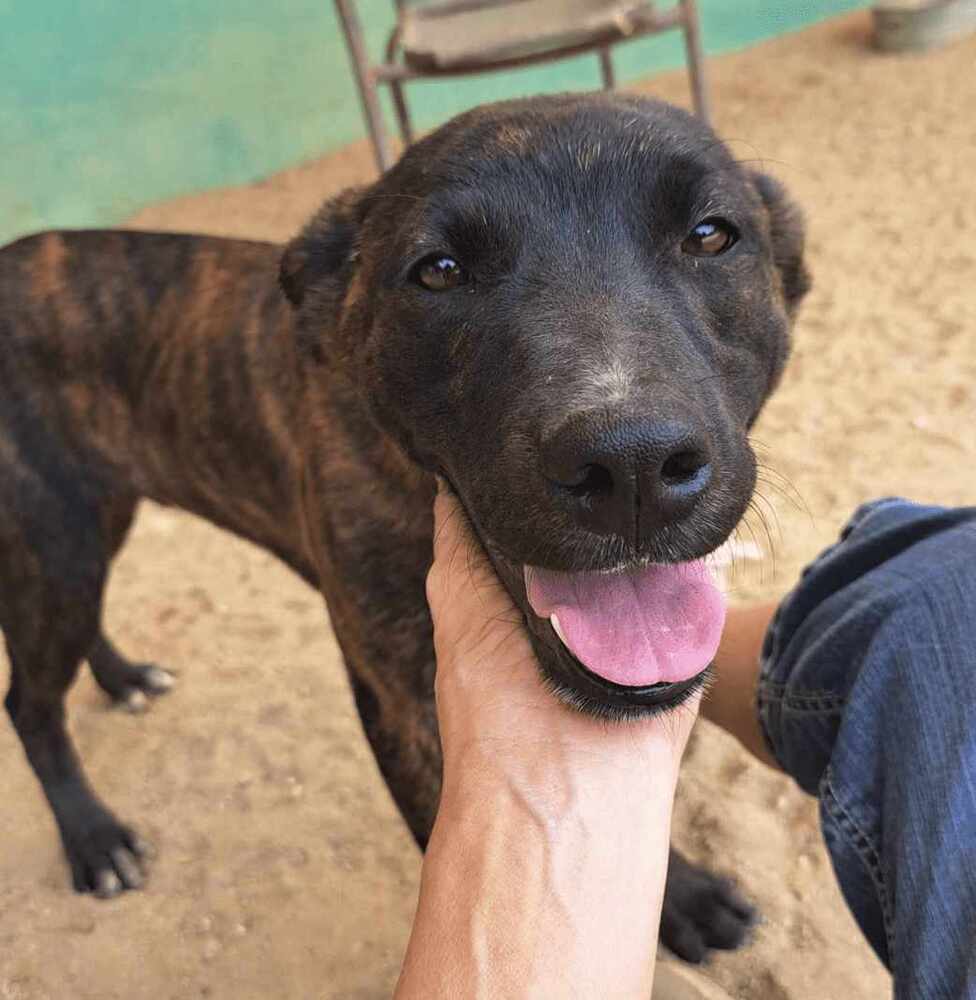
{"x": 696, "y": 59}
{"x": 374, "y": 119}
{"x": 606, "y": 68}
{"x": 366, "y": 82}
{"x": 402, "y": 113}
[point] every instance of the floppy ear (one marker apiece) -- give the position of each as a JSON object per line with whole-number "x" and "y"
{"x": 325, "y": 249}
{"x": 788, "y": 232}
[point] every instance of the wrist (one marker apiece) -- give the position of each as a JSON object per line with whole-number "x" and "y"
{"x": 524, "y": 873}
{"x": 560, "y": 788}
{"x": 564, "y": 758}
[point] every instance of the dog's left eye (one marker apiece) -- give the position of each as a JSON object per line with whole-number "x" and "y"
{"x": 439, "y": 273}
{"x": 710, "y": 238}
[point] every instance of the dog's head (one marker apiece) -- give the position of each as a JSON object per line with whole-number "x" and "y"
{"x": 573, "y": 308}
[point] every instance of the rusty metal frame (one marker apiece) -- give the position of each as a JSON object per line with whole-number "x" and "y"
{"x": 683, "y": 15}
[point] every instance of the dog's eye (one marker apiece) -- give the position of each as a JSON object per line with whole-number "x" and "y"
{"x": 710, "y": 238}
{"x": 439, "y": 273}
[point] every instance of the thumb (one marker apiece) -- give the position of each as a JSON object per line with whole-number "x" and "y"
{"x": 461, "y": 568}
{"x": 468, "y": 603}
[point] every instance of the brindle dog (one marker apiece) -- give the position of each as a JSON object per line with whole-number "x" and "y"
{"x": 573, "y": 308}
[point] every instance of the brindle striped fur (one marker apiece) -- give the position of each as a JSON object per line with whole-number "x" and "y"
{"x": 172, "y": 367}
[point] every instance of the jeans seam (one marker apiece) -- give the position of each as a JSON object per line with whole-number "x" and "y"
{"x": 834, "y": 705}
{"x": 865, "y": 850}
{"x": 763, "y": 704}
{"x": 812, "y": 700}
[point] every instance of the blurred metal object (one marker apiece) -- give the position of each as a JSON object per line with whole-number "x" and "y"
{"x": 448, "y": 38}
{"x": 907, "y": 25}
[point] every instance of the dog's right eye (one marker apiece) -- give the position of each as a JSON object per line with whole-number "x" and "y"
{"x": 439, "y": 273}
{"x": 710, "y": 238}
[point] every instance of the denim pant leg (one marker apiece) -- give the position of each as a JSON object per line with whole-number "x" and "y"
{"x": 868, "y": 699}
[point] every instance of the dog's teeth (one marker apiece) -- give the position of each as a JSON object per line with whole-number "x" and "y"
{"x": 730, "y": 551}
{"x": 554, "y": 622}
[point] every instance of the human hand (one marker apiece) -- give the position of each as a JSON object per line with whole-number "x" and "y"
{"x": 545, "y": 871}
{"x": 496, "y": 715}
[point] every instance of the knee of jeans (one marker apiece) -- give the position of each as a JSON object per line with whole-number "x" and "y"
{"x": 804, "y": 681}
{"x": 857, "y": 860}
{"x": 800, "y": 726}
{"x": 900, "y": 576}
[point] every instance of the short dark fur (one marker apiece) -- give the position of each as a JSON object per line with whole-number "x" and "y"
{"x": 172, "y": 367}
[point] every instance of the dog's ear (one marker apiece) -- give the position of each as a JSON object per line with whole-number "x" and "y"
{"x": 788, "y": 232}
{"x": 326, "y": 248}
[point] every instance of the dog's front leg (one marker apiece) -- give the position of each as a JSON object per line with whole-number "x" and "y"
{"x": 400, "y": 721}
{"x": 105, "y": 856}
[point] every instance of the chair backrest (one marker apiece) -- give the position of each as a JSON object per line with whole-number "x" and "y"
{"x": 454, "y": 6}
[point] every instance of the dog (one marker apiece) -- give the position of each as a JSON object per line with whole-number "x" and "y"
{"x": 571, "y": 308}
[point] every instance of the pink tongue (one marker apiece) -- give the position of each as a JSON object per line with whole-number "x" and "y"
{"x": 659, "y": 624}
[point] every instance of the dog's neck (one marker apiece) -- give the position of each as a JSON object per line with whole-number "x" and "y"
{"x": 274, "y": 443}
{"x": 360, "y": 491}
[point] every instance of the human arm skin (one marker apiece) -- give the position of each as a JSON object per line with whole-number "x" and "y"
{"x": 731, "y": 698}
{"x": 545, "y": 871}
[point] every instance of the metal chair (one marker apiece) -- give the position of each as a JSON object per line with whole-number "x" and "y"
{"x": 459, "y": 37}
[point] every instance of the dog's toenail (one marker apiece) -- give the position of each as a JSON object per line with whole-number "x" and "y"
{"x": 158, "y": 679}
{"x": 107, "y": 884}
{"x": 136, "y": 702}
{"x": 127, "y": 866}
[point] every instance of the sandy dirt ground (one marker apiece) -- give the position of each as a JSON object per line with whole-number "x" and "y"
{"x": 283, "y": 869}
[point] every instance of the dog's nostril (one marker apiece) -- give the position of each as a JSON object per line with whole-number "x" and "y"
{"x": 682, "y": 467}
{"x": 594, "y": 482}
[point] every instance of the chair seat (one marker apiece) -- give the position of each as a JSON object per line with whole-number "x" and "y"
{"x": 482, "y": 33}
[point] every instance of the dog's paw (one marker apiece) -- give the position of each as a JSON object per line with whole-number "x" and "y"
{"x": 132, "y": 689}
{"x": 702, "y": 911}
{"x": 106, "y": 858}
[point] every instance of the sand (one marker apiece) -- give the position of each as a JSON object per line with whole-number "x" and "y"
{"x": 283, "y": 869}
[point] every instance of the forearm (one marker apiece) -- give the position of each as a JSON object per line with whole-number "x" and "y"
{"x": 526, "y": 880}
{"x": 731, "y": 700}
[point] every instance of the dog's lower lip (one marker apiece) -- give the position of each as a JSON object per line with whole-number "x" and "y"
{"x": 639, "y": 631}
{"x": 661, "y": 694}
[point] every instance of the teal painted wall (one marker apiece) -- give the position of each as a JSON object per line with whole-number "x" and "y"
{"x": 106, "y": 105}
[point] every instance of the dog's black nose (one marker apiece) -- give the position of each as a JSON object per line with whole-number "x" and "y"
{"x": 626, "y": 476}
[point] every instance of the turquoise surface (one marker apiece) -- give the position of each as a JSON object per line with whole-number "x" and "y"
{"x": 106, "y": 105}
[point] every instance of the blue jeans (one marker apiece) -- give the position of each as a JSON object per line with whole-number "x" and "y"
{"x": 868, "y": 699}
